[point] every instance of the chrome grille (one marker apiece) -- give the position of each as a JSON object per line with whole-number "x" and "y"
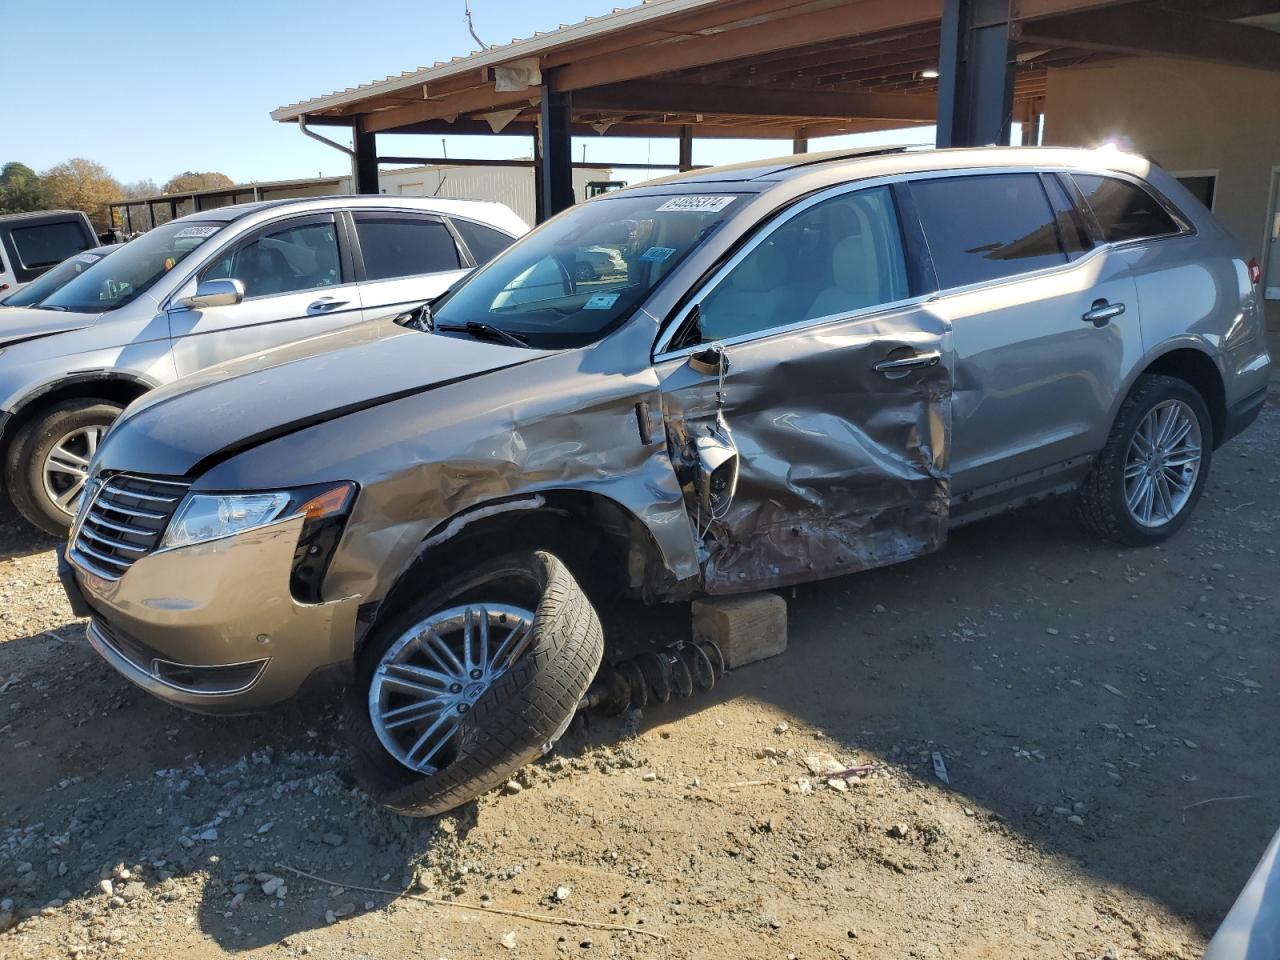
{"x": 124, "y": 522}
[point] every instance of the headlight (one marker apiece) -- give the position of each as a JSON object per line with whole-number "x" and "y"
{"x": 204, "y": 516}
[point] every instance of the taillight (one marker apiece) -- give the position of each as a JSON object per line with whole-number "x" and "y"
{"x": 1255, "y": 272}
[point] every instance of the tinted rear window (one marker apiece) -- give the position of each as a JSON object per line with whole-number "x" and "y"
{"x": 485, "y": 243}
{"x": 1124, "y": 211}
{"x": 404, "y": 246}
{"x": 45, "y": 244}
{"x": 987, "y": 227}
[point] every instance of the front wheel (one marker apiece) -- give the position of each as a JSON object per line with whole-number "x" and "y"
{"x": 470, "y": 682}
{"x": 1149, "y": 476}
{"x": 49, "y": 461}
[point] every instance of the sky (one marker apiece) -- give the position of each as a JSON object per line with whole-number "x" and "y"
{"x": 190, "y": 86}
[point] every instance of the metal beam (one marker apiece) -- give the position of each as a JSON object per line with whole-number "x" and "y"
{"x": 976, "y": 65}
{"x": 686, "y": 148}
{"x": 464, "y": 162}
{"x": 666, "y": 97}
{"x": 1144, "y": 30}
{"x": 555, "y": 180}
{"x": 364, "y": 160}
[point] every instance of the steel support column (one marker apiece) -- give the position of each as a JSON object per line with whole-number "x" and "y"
{"x": 555, "y": 176}
{"x": 976, "y": 65}
{"x": 364, "y": 161}
{"x": 800, "y": 143}
{"x": 686, "y": 148}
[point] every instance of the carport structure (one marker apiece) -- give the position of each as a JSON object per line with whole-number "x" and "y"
{"x": 781, "y": 70}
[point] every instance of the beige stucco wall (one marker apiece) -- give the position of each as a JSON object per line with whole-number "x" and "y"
{"x": 1187, "y": 116}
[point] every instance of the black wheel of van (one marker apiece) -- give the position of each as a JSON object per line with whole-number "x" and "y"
{"x": 459, "y": 689}
{"x": 1152, "y": 471}
{"x": 48, "y": 461}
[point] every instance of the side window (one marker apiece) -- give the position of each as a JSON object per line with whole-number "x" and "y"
{"x": 48, "y": 243}
{"x": 1124, "y": 211}
{"x": 485, "y": 243}
{"x": 404, "y": 246}
{"x": 988, "y": 226}
{"x": 838, "y": 257}
{"x": 284, "y": 260}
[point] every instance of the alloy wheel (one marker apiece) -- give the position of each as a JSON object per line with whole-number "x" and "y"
{"x": 66, "y": 467}
{"x": 433, "y": 674}
{"x": 1162, "y": 464}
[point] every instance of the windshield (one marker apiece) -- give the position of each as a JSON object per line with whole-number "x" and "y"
{"x": 48, "y": 282}
{"x": 577, "y": 278}
{"x": 118, "y": 279}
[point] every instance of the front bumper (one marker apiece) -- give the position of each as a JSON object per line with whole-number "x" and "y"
{"x": 213, "y": 627}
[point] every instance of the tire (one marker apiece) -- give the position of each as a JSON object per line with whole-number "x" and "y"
{"x": 584, "y": 272}
{"x": 25, "y": 469}
{"x": 517, "y": 718}
{"x": 1102, "y": 500}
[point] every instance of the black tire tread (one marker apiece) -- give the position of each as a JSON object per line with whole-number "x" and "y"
{"x": 1098, "y": 507}
{"x": 512, "y": 722}
{"x": 20, "y": 464}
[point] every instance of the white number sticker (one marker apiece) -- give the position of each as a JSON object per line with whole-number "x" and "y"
{"x": 195, "y": 232}
{"x": 697, "y": 204}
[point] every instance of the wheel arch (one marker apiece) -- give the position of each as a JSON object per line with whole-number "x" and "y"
{"x": 1189, "y": 360}
{"x": 110, "y": 385}
{"x": 603, "y": 543}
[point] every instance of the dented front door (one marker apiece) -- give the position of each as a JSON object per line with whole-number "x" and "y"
{"x": 837, "y": 395}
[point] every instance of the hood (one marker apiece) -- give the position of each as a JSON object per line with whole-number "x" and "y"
{"x": 28, "y": 323}
{"x": 188, "y": 426}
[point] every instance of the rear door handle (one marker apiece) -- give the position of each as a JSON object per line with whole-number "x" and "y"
{"x": 1102, "y": 313}
{"x": 906, "y": 363}
{"x": 326, "y": 303}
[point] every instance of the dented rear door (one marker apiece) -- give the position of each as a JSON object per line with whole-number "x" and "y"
{"x": 837, "y": 395}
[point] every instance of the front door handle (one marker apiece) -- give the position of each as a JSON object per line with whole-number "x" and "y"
{"x": 927, "y": 359}
{"x": 1102, "y": 313}
{"x": 326, "y": 303}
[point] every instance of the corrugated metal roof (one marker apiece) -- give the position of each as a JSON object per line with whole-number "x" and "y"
{"x": 621, "y": 18}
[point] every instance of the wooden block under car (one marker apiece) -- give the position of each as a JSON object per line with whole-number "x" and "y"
{"x": 746, "y": 628}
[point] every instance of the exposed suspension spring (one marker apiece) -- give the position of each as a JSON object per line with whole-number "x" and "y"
{"x": 675, "y": 670}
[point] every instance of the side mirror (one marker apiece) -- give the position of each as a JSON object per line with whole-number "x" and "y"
{"x": 716, "y": 480}
{"x": 215, "y": 293}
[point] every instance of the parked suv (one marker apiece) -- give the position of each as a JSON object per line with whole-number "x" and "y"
{"x": 201, "y": 290}
{"x": 808, "y": 367}
{"x": 31, "y": 243}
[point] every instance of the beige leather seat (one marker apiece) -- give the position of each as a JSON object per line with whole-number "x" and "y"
{"x": 755, "y": 297}
{"x": 858, "y": 280}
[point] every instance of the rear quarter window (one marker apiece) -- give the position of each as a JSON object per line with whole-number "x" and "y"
{"x": 485, "y": 243}
{"x": 987, "y": 226}
{"x": 1124, "y": 211}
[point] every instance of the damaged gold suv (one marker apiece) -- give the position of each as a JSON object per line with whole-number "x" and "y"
{"x": 771, "y": 373}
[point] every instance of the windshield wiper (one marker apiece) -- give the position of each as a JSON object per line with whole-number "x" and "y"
{"x": 50, "y": 306}
{"x": 479, "y": 330}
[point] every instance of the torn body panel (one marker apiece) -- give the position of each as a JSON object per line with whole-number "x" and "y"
{"x": 513, "y": 432}
{"x": 843, "y": 467}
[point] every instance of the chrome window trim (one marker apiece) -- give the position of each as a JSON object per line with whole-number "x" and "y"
{"x": 662, "y": 353}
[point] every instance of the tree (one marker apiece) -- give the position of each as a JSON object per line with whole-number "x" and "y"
{"x": 139, "y": 189}
{"x": 20, "y": 188}
{"x": 190, "y": 182}
{"x": 81, "y": 184}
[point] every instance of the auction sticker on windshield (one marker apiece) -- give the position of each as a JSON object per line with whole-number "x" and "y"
{"x": 202, "y": 232}
{"x": 697, "y": 204}
{"x": 601, "y": 301}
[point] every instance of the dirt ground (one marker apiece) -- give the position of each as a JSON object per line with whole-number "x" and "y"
{"x": 1106, "y": 717}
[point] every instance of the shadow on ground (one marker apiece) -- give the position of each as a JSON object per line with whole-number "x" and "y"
{"x": 1047, "y": 670}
